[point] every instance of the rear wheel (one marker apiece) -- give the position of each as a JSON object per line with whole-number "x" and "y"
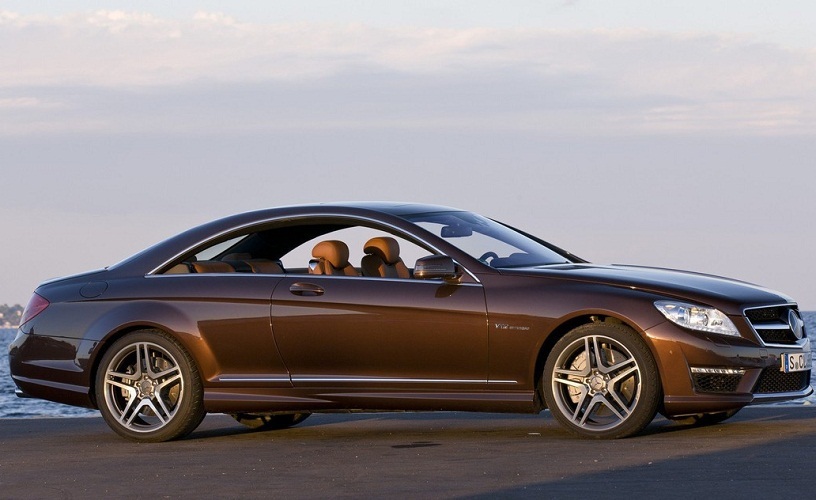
{"x": 601, "y": 381}
{"x": 268, "y": 422}
{"x": 148, "y": 388}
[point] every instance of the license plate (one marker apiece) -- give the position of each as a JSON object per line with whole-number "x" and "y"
{"x": 795, "y": 362}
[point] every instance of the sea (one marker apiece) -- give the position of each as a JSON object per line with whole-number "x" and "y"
{"x": 13, "y": 407}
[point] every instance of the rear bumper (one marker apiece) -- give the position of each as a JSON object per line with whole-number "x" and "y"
{"x": 48, "y": 368}
{"x": 21, "y": 394}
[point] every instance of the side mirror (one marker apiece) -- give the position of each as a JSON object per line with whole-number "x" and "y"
{"x": 437, "y": 267}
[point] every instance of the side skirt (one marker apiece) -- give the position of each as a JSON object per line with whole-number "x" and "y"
{"x": 231, "y": 400}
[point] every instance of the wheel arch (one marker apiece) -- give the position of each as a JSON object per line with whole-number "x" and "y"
{"x": 129, "y": 318}
{"x": 573, "y": 321}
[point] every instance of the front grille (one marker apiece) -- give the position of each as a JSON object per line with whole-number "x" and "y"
{"x": 711, "y": 382}
{"x": 777, "y": 336}
{"x": 772, "y": 381}
{"x": 765, "y": 314}
{"x": 771, "y": 324}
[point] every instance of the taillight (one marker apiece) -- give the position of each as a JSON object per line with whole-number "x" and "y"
{"x": 35, "y": 306}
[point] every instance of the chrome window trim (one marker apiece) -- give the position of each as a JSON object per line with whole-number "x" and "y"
{"x": 237, "y": 274}
{"x": 305, "y": 276}
{"x": 203, "y": 242}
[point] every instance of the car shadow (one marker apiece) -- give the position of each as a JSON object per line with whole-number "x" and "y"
{"x": 368, "y": 425}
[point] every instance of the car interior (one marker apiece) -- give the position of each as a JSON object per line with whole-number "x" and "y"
{"x": 249, "y": 254}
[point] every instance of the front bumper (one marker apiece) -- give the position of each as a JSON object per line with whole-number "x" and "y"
{"x": 703, "y": 373}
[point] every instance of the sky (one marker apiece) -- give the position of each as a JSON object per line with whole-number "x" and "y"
{"x": 671, "y": 134}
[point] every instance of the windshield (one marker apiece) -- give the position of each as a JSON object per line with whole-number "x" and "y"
{"x": 489, "y": 241}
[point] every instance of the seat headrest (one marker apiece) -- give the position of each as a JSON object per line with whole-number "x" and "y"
{"x": 383, "y": 247}
{"x": 334, "y": 252}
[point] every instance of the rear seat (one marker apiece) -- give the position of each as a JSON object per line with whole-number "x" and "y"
{"x": 241, "y": 263}
{"x": 179, "y": 269}
{"x": 212, "y": 266}
{"x": 264, "y": 266}
{"x": 244, "y": 263}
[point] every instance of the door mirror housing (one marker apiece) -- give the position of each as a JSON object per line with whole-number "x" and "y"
{"x": 437, "y": 267}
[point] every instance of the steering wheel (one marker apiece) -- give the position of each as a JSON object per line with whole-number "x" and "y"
{"x": 488, "y": 255}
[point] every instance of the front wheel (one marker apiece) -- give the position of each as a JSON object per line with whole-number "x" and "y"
{"x": 148, "y": 388}
{"x": 601, "y": 381}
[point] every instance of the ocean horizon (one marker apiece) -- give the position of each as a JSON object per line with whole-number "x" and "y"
{"x": 13, "y": 407}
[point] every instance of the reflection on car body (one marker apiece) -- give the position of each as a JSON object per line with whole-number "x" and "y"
{"x": 276, "y": 314}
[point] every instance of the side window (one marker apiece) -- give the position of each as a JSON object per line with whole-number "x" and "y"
{"x": 217, "y": 249}
{"x": 356, "y": 238}
{"x": 235, "y": 255}
{"x": 287, "y": 248}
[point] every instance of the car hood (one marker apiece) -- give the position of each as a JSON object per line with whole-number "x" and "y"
{"x": 695, "y": 287}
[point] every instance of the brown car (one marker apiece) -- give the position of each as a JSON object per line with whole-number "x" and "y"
{"x": 276, "y": 314}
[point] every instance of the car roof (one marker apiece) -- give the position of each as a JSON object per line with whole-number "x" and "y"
{"x": 389, "y": 207}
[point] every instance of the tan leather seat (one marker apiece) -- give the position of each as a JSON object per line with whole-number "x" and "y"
{"x": 264, "y": 266}
{"x": 212, "y": 266}
{"x": 382, "y": 259}
{"x": 243, "y": 262}
{"x": 332, "y": 259}
{"x": 178, "y": 269}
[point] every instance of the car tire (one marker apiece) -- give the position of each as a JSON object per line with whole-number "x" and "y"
{"x": 269, "y": 422}
{"x": 148, "y": 388}
{"x": 600, "y": 381}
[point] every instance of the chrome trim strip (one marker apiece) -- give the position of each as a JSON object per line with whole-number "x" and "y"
{"x": 399, "y": 380}
{"x": 380, "y": 223}
{"x": 253, "y": 379}
{"x": 301, "y": 276}
{"x": 318, "y": 277}
{"x": 781, "y": 396}
{"x": 207, "y": 240}
{"x": 782, "y": 304}
{"x": 775, "y": 326}
{"x": 20, "y": 394}
{"x": 360, "y": 379}
{"x": 237, "y": 274}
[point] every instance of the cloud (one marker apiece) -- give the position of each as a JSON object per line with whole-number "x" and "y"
{"x": 26, "y": 103}
{"x": 647, "y": 142}
{"x": 106, "y": 69}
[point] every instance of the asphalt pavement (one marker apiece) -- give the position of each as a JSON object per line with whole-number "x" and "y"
{"x": 762, "y": 451}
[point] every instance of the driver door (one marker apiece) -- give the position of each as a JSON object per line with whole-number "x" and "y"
{"x": 407, "y": 334}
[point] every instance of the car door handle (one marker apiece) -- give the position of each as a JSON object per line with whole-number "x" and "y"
{"x": 306, "y": 289}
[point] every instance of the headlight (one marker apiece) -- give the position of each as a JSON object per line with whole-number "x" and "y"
{"x": 704, "y": 319}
